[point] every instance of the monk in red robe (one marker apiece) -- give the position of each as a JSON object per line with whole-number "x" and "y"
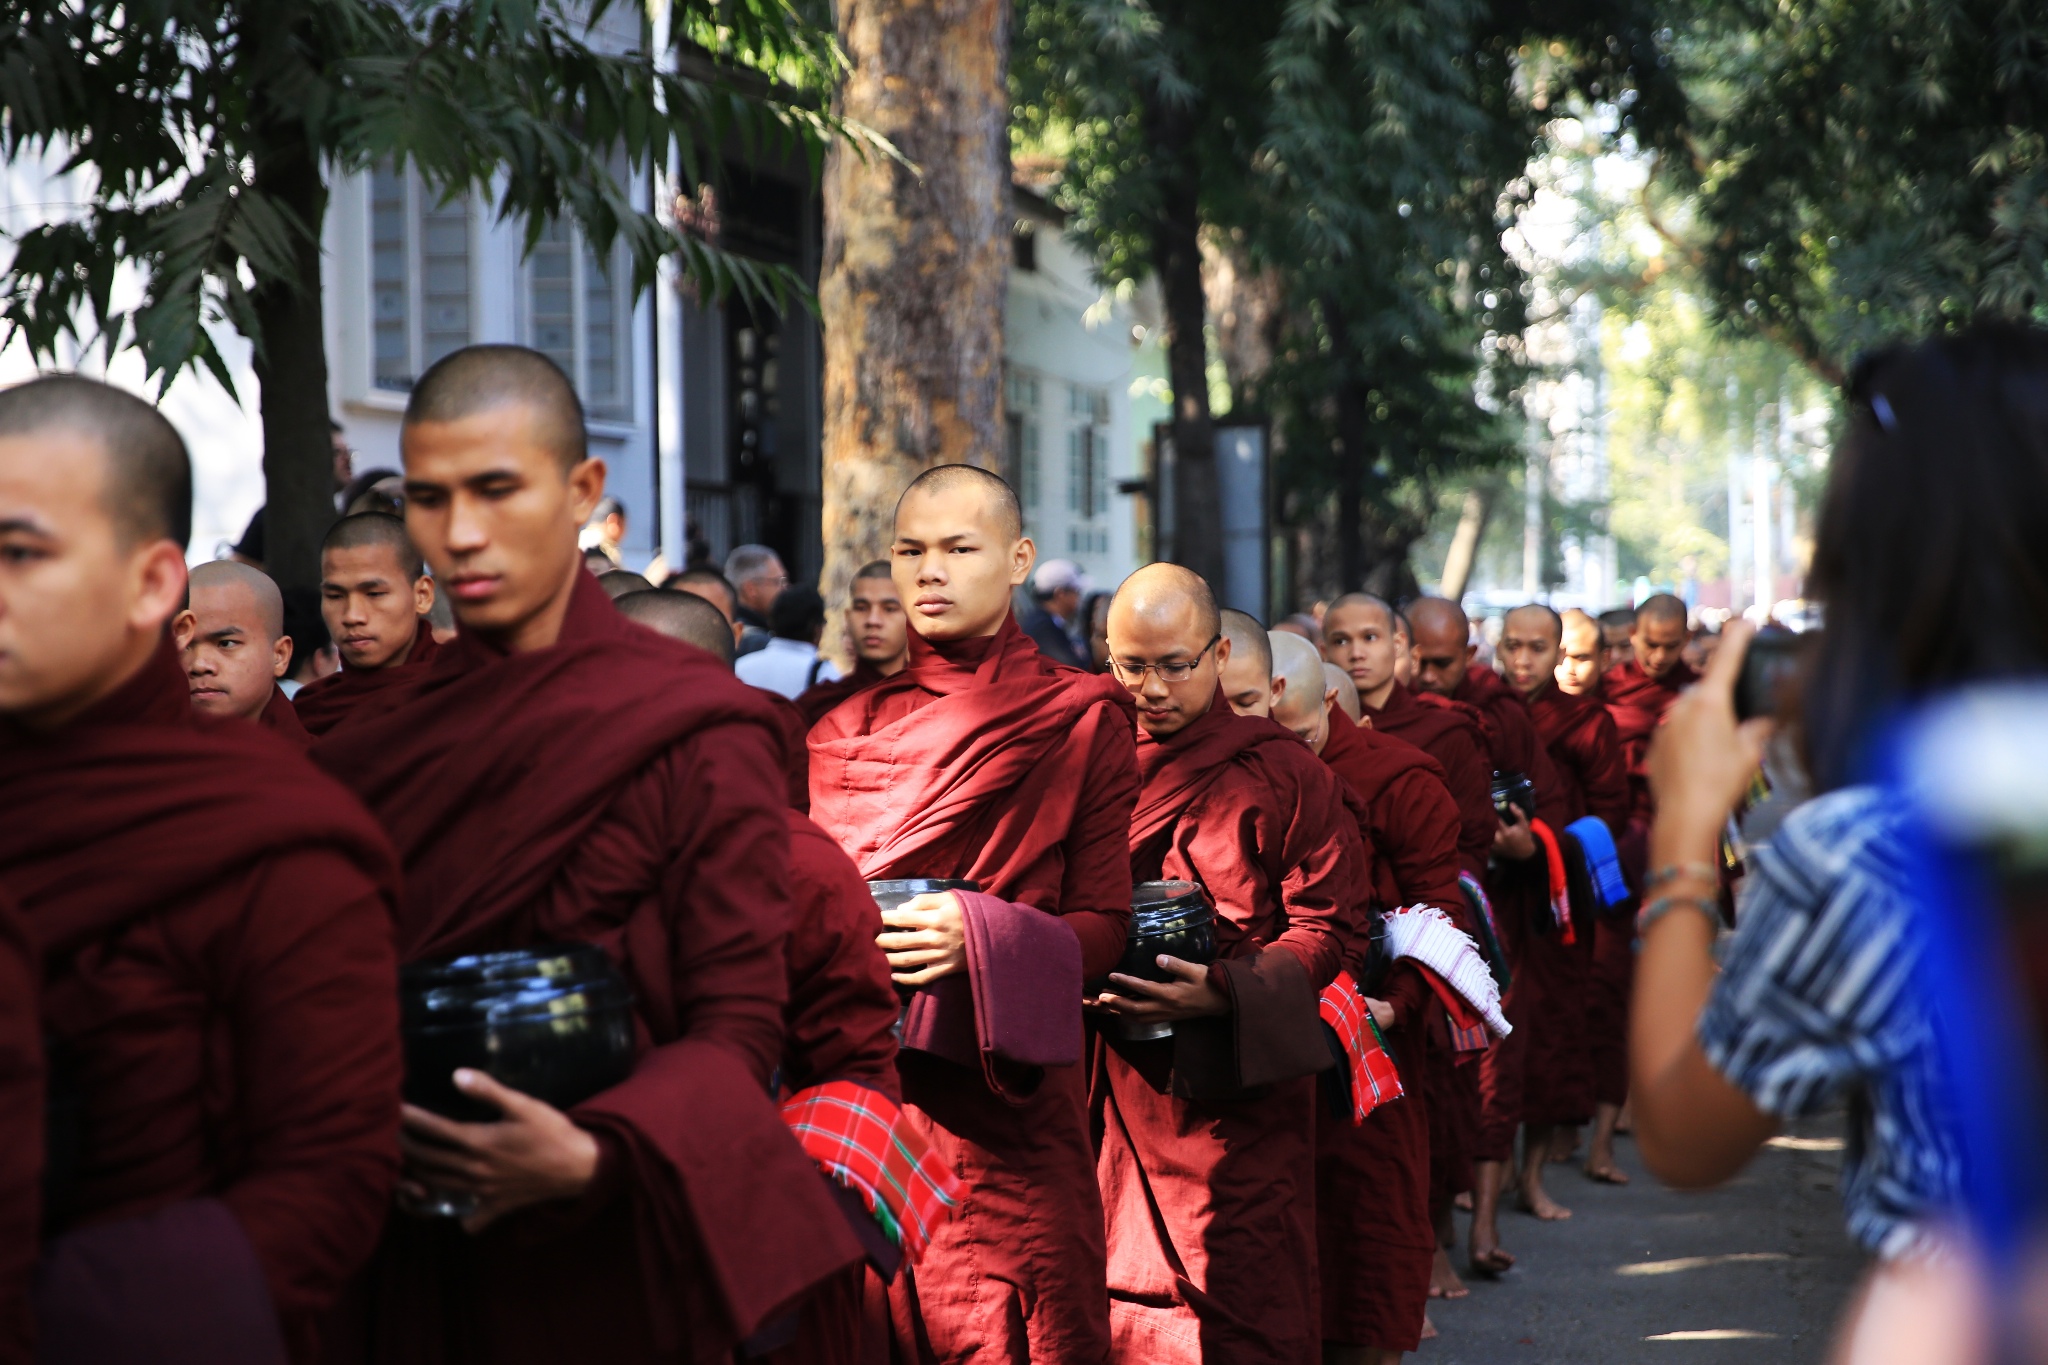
{"x": 214, "y": 921}
{"x": 21, "y": 1131}
{"x": 1579, "y": 656}
{"x": 881, "y": 639}
{"x": 1208, "y": 1137}
{"x": 983, "y": 761}
{"x": 1637, "y": 692}
{"x": 375, "y": 596}
{"x": 1518, "y": 882}
{"x": 1364, "y": 636}
{"x": 561, "y": 775}
{"x": 234, "y": 647}
{"x": 841, "y": 1048}
{"x": 1376, "y": 1240}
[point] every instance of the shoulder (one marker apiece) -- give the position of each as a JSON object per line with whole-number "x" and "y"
{"x": 1844, "y": 839}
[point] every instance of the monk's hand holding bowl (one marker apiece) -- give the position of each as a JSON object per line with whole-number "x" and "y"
{"x": 926, "y": 938}
{"x": 534, "y": 1154}
{"x": 1190, "y": 995}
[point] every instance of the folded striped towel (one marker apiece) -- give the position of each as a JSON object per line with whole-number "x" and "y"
{"x": 861, "y": 1139}
{"x": 1603, "y": 864}
{"x": 1427, "y": 934}
{"x": 1369, "y": 1070}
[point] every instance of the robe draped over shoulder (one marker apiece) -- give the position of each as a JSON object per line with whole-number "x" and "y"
{"x": 325, "y": 702}
{"x": 621, "y": 789}
{"x": 214, "y": 919}
{"x": 21, "y": 1131}
{"x": 280, "y": 719}
{"x": 1455, "y": 736}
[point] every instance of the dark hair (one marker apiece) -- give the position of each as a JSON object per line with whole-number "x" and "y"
{"x": 798, "y": 614}
{"x": 361, "y": 529}
{"x": 148, "y": 490}
{"x": 681, "y": 616}
{"x": 495, "y": 375}
{"x": 1624, "y": 617}
{"x": 1931, "y": 554}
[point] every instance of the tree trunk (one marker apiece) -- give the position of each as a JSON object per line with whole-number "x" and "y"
{"x": 291, "y": 347}
{"x": 1354, "y": 450}
{"x": 1464, "y": 552}
{"x": 916, "y": 263}
{"x": 1177, "y": 257}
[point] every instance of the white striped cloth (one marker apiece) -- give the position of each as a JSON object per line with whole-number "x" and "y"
{"x": 1428, "y": 935}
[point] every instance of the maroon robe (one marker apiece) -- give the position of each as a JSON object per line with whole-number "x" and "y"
{"x": 21, "y": 1131}
{"x": 1210, "y": 1201}
{"x": 842, "y": 1016}
{"x": 1455, "y": 736}
{"x": 1375, "y": 1239}
{"x": 281, "y": 720}
{"x": 817, "y": 700}
{"x": 325, "y": 702}
{"x": 1529, "y": 1061}
{"x": 1637, "y": 702}
{"x": 982, "y": 759}
{"x": 622, "y": 789}
{"x": 214, "y": 919}
{"x": 1586, "y": 756}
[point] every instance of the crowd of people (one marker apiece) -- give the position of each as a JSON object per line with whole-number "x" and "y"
{"x": 906, "y": 1081}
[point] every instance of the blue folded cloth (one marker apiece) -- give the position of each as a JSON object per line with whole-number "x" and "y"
{"x": 1602, "y": 862}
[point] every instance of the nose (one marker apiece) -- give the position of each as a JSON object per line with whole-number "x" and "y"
{"x": 466, "y": 534}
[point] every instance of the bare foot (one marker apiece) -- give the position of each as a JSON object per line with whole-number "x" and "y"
{"x": 1625, "y": 1122}
{"x": 1490, "y": 1262}
{"x": 1462, "y": 1202}
{"x": 1428, "y": 1328}
{"x": 1443, "y": 1278}
{"x": 1564, "y": 1145}
{"x": 1607, "y": 1174}
{"x": 1536, "y": 1200}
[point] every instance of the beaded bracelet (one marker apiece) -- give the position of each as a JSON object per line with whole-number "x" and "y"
{"x": 1664, "y": 905}
{"x": 1672, "y": 872}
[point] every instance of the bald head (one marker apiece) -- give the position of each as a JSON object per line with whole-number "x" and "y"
{"x": 485, "y": 378}
{"x": 1441, "y": 636}
{"x": 1534, "y": 619}
{"x": 1167, "y": 591}
{"x": 146, "y": 487}
{"x": 1248, "y": 642}
{"x": 1662, "y": 607}
{"x": 256, "y": 598}
{"x": 1248, "y": 674}
{"x": 1357, "y": 601}
{"x": 1581, "y": 651}
{"x": 1337, "y": 680}
{"x": 1659, "y": 638}
{"x": 998, "y": 499}
{"x": 619, "y": 583}
{"x": 376, "y": 530}
{"x": 681, "y": 616}
{"x": 1527, "y": 655}
{"x": 1301, "y": 692}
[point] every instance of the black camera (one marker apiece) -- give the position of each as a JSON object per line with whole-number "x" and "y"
{"x": 1514, "y": 792}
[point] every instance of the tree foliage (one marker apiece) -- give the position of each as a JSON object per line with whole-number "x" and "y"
{"x": 174, "y": 105}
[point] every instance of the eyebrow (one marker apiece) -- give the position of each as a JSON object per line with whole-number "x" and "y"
{"x": 11, "y": 525}
{"x": 223, "y": 633}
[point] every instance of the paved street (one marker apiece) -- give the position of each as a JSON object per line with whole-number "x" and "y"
{"x": 1755, "y": 1272}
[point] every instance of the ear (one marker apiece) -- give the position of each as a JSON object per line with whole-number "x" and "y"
{"x": 1274, "y": 689}
{"x": 1222, "y": 653}
{"x": 586, "y": 487}
{"x": 1471, "y": 650}
{"x": 183, "y": 627}
{"x": 422, "y": 595}
{"x": 160, "y": 586}
{"x": 1023, "y": 555}
{"x": 1329, "y": 698}
{"x": 281, "y": 657}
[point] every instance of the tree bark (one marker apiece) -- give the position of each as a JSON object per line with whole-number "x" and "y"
{"x": 1464, "y": 552}
{"x": 291, "y": 345}
{"x": 1177, "y": 257}
{"x": 916, "y": 263}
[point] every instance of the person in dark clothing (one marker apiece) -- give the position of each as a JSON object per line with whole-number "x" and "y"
{"x": 1056, "y": 591}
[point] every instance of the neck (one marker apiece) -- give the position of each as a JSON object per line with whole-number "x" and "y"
{"x": 891, "y": 666}
{"x": 136, "y": 653}
{"x": 544, "y": 627}
{"x": 1376, "y": 700}
{"x": 404, "y": 651}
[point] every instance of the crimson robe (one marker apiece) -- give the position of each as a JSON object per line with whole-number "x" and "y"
{"x": 281, "y": 720}
{"x": 1586, "y": 756}
{"x": 1211, "y": 1201}
{"x": 214, "y": 919}
{"x": 622, "y": 789}
{"x": 984, "y": 760}
{"x": 841, "y": 1017}
{"x": 796, "y": 749}
{"x": 21, "y": 1131}
{"x": 325, "y": 702}
{"x": 818, "y": 699}
{"x": 1529, "y": 1061}
{"x": 1455, "y": 736}
{"x": 1637, "y": 702}
{"x": 1375, "y": 1238}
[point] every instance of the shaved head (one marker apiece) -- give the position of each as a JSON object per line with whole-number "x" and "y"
{"x": 618, "y": 583}
{"x": 1533, "y": 617}
{"x": 1441, "y": 635}
{"x": 1302, "y": 691}
{"x": 709, "y": 584}
{"x": 1529, "y": 650}
{"x": 1663, "y": 607}
{"x": 1438, "y": 616}
{"x": 1158, "y": 590}
{"x": 1365, "y": 599}
{"x": 681, "y": 616}
{"x": 1335, "y": 678}
{"x": 1005, "y": 513}
{"x": 483, "y": 378}
{"x": 1248, "y": 641}
{"x": 874, "y": 568}
{"x": 365, "y": 530}
{"x": 264, "y": 596}
{"x": 1581, "y": 652}
{"x": 146, "y": 488}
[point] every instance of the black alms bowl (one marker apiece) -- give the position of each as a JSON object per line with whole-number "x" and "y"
{"x": 893, "y": 892}
{"x": 1174, "y": 918}
{"x": 553, "y": 1022}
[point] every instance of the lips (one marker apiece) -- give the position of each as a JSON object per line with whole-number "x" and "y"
{"x": 473, "y": 588}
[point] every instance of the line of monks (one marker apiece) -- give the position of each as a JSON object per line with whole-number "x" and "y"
{"x": 964, "y": 1128}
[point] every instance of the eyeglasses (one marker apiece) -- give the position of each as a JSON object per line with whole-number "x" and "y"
{"x": 1177, "y": 671}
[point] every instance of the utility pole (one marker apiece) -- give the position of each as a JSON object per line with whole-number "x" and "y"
{"x": 1760, "y": 521}
{"x": 1735, "y": 602}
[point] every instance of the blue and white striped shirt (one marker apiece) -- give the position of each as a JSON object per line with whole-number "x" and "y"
{"x": 1818, "y": 1000}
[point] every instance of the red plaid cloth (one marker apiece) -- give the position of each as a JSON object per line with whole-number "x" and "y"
{"x": 862, "y": 1139}
{"x": 1560, "y": 899}
{"x": 1374, "y": 1080}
